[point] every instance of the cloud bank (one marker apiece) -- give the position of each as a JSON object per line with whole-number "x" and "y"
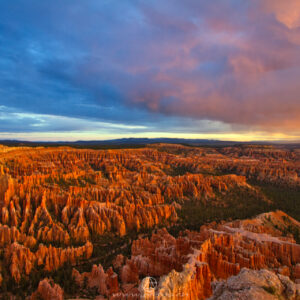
{"x": 145, "y": 66}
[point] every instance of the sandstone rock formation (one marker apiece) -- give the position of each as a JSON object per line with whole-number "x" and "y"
{"x": 60, "y": 196}
{"x": 105, "y": 282}
{"x": 22, "y": 260}
{"x": 48, "y": 290}
{"x": 223, "y": 251}
{"x": 189, "y": 266}
{"x": 55, "y": 203}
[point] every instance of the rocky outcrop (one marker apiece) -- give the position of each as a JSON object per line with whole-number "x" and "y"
{"x": 263, "y": 163}
{"x": 196, "y": 265}
{"x": 194, "y": 282}
{"x": 216, "y": 252}
{"x": 48, "y": 290}
{"x": 106, "y": 282}
{"x": 62, "y": 196}
{"x": 256, "y": 285}
{"x": 22, "y": 260}
{"x": 56, "y": 202}
{"x": 59, "y": 194}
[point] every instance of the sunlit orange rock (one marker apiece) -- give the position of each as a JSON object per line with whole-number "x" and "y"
{"x": 56, "y": 202}
{"x": 22, "y": 260}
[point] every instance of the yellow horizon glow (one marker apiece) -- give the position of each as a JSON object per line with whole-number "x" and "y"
{"x": 87, "y": 136}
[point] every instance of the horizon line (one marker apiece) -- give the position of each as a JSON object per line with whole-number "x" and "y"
{"x": 150, "y": 139}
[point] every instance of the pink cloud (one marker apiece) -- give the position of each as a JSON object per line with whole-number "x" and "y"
{"x": 286, "y": 12}
{"x": 256, "y": 84}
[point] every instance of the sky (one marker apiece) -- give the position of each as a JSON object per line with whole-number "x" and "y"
{"x": 91, "y": 69}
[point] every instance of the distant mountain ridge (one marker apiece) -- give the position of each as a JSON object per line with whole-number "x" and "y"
{"x": 140, "y": 142}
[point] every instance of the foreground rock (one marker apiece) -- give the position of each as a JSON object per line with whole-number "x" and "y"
{"x": 256, "y": 285}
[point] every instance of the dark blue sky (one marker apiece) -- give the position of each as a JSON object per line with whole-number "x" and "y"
{"x": 84, "y": 69}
